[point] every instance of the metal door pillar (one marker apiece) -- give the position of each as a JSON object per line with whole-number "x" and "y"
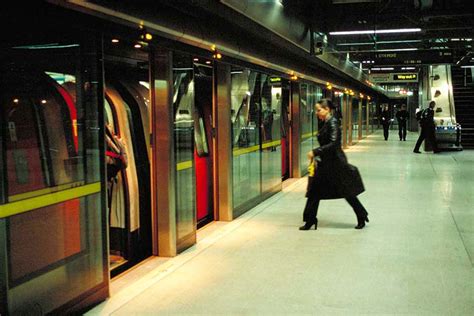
{"x": 222, "y": 125}
{"x": 295, "y": 169}
{"x": 163, "y": 166}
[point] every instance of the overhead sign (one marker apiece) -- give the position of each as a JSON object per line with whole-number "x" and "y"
{"x": 405, "y": 77}
{"x": 417, "y": 57}
{"x": 390, "y": 77}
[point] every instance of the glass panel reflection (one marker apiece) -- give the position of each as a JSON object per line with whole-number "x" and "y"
{"x": 271, "y": 133}
{"x": 52, "y": 144}
{"x": 183, "y": 106}
{"x": 246, "y": 88}
{"x": 355, "y": 120}
{"x": 307, "y": 101}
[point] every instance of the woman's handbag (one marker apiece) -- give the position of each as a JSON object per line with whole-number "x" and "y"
{"x": 313, "y": 165}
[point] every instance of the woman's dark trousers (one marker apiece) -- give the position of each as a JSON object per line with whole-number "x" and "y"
{"x": 385, "y": 130}
{"x": 402, "y": 130}
{"x": 311, "y": 209}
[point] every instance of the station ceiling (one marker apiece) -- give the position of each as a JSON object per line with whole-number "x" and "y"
{"x": 441, "y": 30}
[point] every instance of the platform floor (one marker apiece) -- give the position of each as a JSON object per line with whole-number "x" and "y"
{"x": 415, "y": 257}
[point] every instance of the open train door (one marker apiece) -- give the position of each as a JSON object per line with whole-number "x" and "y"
{"x": 203, "y": 148}
{"x": 285, "y": 129}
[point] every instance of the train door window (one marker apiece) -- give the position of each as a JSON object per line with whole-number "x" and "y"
{"x": 53, "y": 219}
{"x": 127, "y": 126}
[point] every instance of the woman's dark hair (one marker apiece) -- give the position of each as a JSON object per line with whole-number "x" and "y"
{"x": 326, "y": 103}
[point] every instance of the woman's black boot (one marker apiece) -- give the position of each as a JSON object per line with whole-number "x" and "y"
{"x": 308, "y": 225}
{"x": 361, "y": 222}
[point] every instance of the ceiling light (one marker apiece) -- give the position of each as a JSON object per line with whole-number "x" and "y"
{"x": 114, "y": 40}
{"x": 395, "y": 49}
{"x": 378, "y": 42}
{"x": 408, "y": 68}
{"x": 137, "y": 46}
{"x": 376, "y": 31}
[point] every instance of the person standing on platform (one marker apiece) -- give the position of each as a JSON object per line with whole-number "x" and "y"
{"x": 267, "y": 124}
{"x": 333, "y": 177}
{"x": 428, "y": 131}
{"x": 402, "y": 118}
{"x": 386, "y": 119}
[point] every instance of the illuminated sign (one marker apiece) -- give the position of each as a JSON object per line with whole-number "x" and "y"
{"x": 405, "y": 77}
{"x": 409, "y": 58}
{"x": 275, "y": 79}
{"x": 388, "y": 77}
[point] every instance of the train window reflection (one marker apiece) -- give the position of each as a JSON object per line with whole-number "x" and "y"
{"x": 43, "y": 143}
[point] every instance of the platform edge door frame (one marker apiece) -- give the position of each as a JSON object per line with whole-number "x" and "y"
{"x": 222, "y": 143}
{"x": 359, "y": 120}
{"x": 367, "y": 117}
{"x": 344, "y": 120}
{"x": 3, "y": 230}
{"x": 349, "y": 120}
{"x": 3, "y": 268}
{"x": 295, "y": 169}
{"x": 163, "y": 165}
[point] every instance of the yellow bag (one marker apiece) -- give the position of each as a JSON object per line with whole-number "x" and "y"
{"x": 312, "y": 168}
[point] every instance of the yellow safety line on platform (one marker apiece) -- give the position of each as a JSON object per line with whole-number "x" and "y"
{"x": 33, "y": 203}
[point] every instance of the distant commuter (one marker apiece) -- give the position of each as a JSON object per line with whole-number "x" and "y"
{"x": 267, "y": 124}
{"x": 386, "y": 119}
{"x": 428, "y": 132}
{"x": 334, "y": 177}
{"x": 402, "y": 118}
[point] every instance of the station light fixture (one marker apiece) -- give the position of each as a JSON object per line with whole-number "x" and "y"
{"x": 115, "y": 40}
{"x": 137, "y": 45}
{"x": 378, "y": 42}
{"x": 294, "y": 77}
{"x": 195, "y": 59}
{"x": 373, "y": 32}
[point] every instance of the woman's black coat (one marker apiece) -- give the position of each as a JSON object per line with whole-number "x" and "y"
{"x": 334, "y": 178}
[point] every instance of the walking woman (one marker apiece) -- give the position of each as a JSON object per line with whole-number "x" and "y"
{"x": 334, "y": 177}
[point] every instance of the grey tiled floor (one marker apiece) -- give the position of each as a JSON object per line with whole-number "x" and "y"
{"x": 415, "y": 257}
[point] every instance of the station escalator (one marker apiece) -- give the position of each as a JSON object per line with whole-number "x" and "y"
{"x": 463, "y": 93}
